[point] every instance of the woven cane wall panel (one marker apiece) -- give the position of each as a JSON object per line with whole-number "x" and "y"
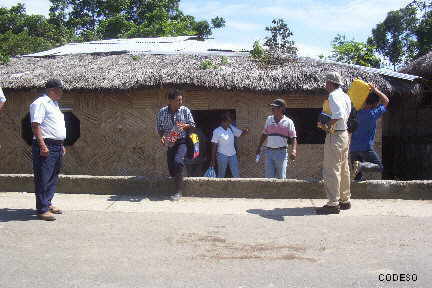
{"x": 118, "y": 135}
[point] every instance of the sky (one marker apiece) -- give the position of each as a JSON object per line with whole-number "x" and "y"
{"x": 314, "y": 22}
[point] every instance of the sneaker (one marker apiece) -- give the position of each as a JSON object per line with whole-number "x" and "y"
{"x": 326, "y": 209}
{"x": 345, "y": 205}
{"x": 47, "y": 216}
{"x": 176, "y": 197}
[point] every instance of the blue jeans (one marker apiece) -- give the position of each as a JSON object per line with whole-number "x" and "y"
{"x": 46, "y": 170}
{"x": 276, "y": 162}
{"x": 223, "y": 162}
{"x": 369, "y": 160}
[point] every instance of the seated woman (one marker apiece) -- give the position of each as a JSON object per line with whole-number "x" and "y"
{"x": 223, "y": 148}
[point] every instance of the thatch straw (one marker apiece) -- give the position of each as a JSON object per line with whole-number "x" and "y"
{"x": 127, "y": 71}
{"x": 421, "y": 67}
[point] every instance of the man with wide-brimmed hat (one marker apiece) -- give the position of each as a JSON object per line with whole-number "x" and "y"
{"x": 336, "y": 148}
{"x": 49, "y": 130}
{"x": 277, "y": 130}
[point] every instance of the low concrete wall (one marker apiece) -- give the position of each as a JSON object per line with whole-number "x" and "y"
{"x": 224, "y": 188}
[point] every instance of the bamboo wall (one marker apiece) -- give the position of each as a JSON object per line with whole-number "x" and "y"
{"x": 118, "y": 134}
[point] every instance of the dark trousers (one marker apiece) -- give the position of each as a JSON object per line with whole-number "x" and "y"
{"x": 175, "y": 160}
{"x": 46, "y": 170}
{"x": 369, "y": 160}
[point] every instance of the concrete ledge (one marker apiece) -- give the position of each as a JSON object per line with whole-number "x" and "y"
{"x": 223, "y": 188}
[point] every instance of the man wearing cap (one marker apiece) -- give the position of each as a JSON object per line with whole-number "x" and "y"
{"x": 2, "y": 98}
{"x": 335, "y": 166}
{"x": 278, "y": 128}
{"x": 49, "y": 132}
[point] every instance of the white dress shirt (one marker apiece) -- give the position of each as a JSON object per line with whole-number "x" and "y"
{"x": 46, "y": 112}
{"x": 2, "y": 96}
{"x": 225, "y": 139}
{"x": 340, "y": 106}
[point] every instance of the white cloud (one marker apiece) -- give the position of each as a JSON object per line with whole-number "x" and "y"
{"x": 350, "y": 16}
{"x": 32, "y": 6}
{"x": 242, "y": 26}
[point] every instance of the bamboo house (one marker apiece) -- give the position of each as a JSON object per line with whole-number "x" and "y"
{"x": 112, "y": 95}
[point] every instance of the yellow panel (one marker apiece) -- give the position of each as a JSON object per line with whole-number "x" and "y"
{"x": 358, "y": 93}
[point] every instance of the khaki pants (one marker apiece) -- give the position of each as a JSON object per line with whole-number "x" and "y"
{"x": 336, "y": 168}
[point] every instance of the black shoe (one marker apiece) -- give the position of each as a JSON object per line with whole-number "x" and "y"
{"x": 345, "y": 206}
{"x": 176, "y": 197}
{"x": 326, "y": 209}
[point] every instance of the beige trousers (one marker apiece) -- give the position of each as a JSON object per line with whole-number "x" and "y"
{"x": 336, "y": 168}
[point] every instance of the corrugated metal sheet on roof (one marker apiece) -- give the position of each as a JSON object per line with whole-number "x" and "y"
{"x": 159, "y": 45}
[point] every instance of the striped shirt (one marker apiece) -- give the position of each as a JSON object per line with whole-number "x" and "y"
{"x": 166, "y": 120}
{"x": 278, "y": 133}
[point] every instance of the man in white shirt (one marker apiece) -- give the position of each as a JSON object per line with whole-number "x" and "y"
{"x": 336, "y": 148}
{"x": 223, "y": 148}
{"x": 2, "y": 98}
{"x": 49, "y": 130}
{"x": 277, "y": 130}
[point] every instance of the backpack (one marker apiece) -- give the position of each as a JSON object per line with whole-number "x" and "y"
{"x": 352, "y": 120}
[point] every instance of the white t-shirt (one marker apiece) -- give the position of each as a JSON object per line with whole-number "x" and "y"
{"x": 225, "y": 139}
{"x": 340, "y": 106}
{"x": 278, "y": 133}
{"x": 2, "y": 96}
{"x": 46, "y": 112}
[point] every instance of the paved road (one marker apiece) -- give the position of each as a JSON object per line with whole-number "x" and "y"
{"x": 121, "y": 241}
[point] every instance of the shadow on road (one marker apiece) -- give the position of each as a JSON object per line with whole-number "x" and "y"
{"x": 8, "y": 215}
{"x": 278, "y": 214}
{"x": 138, "y": 198}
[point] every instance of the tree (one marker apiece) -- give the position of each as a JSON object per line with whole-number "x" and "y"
{"x": 405, "y": 34}
{"x": 100, "y": 19}
{"x": 352, "y": 52}
{"x": 22, "y": 34}
{"x": 280, "y": 39}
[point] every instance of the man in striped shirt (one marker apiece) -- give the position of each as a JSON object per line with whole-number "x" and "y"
{"x": 172, "y": 123}
{"x": 277, "y": 130}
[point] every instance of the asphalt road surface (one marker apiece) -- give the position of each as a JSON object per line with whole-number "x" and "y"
{"x": 133, "y": 241}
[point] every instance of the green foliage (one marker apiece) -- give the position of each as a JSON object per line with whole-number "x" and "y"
{"x": 257, "y": 51}
{"x": 94, "y": 20}
{"x": 224, "y": 60}
{"x": 135, "y": 57}
{"x": 280, "y": 39}
{"x": 405, "y": 34}
{"x": 208, "y": 64}
{"x": 4, "y": 59}
{"x": 23, "y": 34}
{"x": 352, "y": 52}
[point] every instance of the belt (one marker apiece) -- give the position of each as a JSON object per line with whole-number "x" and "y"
{"x": 340, "y": 130}
{"x": 53, "y": 141}
{"x": 278, "y": 148}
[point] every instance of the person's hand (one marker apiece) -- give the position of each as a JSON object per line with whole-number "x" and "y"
{"x": 246, "y": 130}
{"x": 319, "y": 124}
{"x": 163, "y": 140}
{"x": 64, "y": 150}
{"x": 183, "y": 126}
{"x": 293, "y": 155}
{"x": 44, "y": 151}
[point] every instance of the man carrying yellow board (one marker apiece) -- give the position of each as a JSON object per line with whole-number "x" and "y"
{"x": 362, "y": 154}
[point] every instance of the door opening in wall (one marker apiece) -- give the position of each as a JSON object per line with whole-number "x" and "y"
{"x": 305, "y": 120}
{"x": 207, "y": 121}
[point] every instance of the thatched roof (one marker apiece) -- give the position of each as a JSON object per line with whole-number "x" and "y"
{"x": 421, "y": 67}
{"x": 128, "y": 71}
